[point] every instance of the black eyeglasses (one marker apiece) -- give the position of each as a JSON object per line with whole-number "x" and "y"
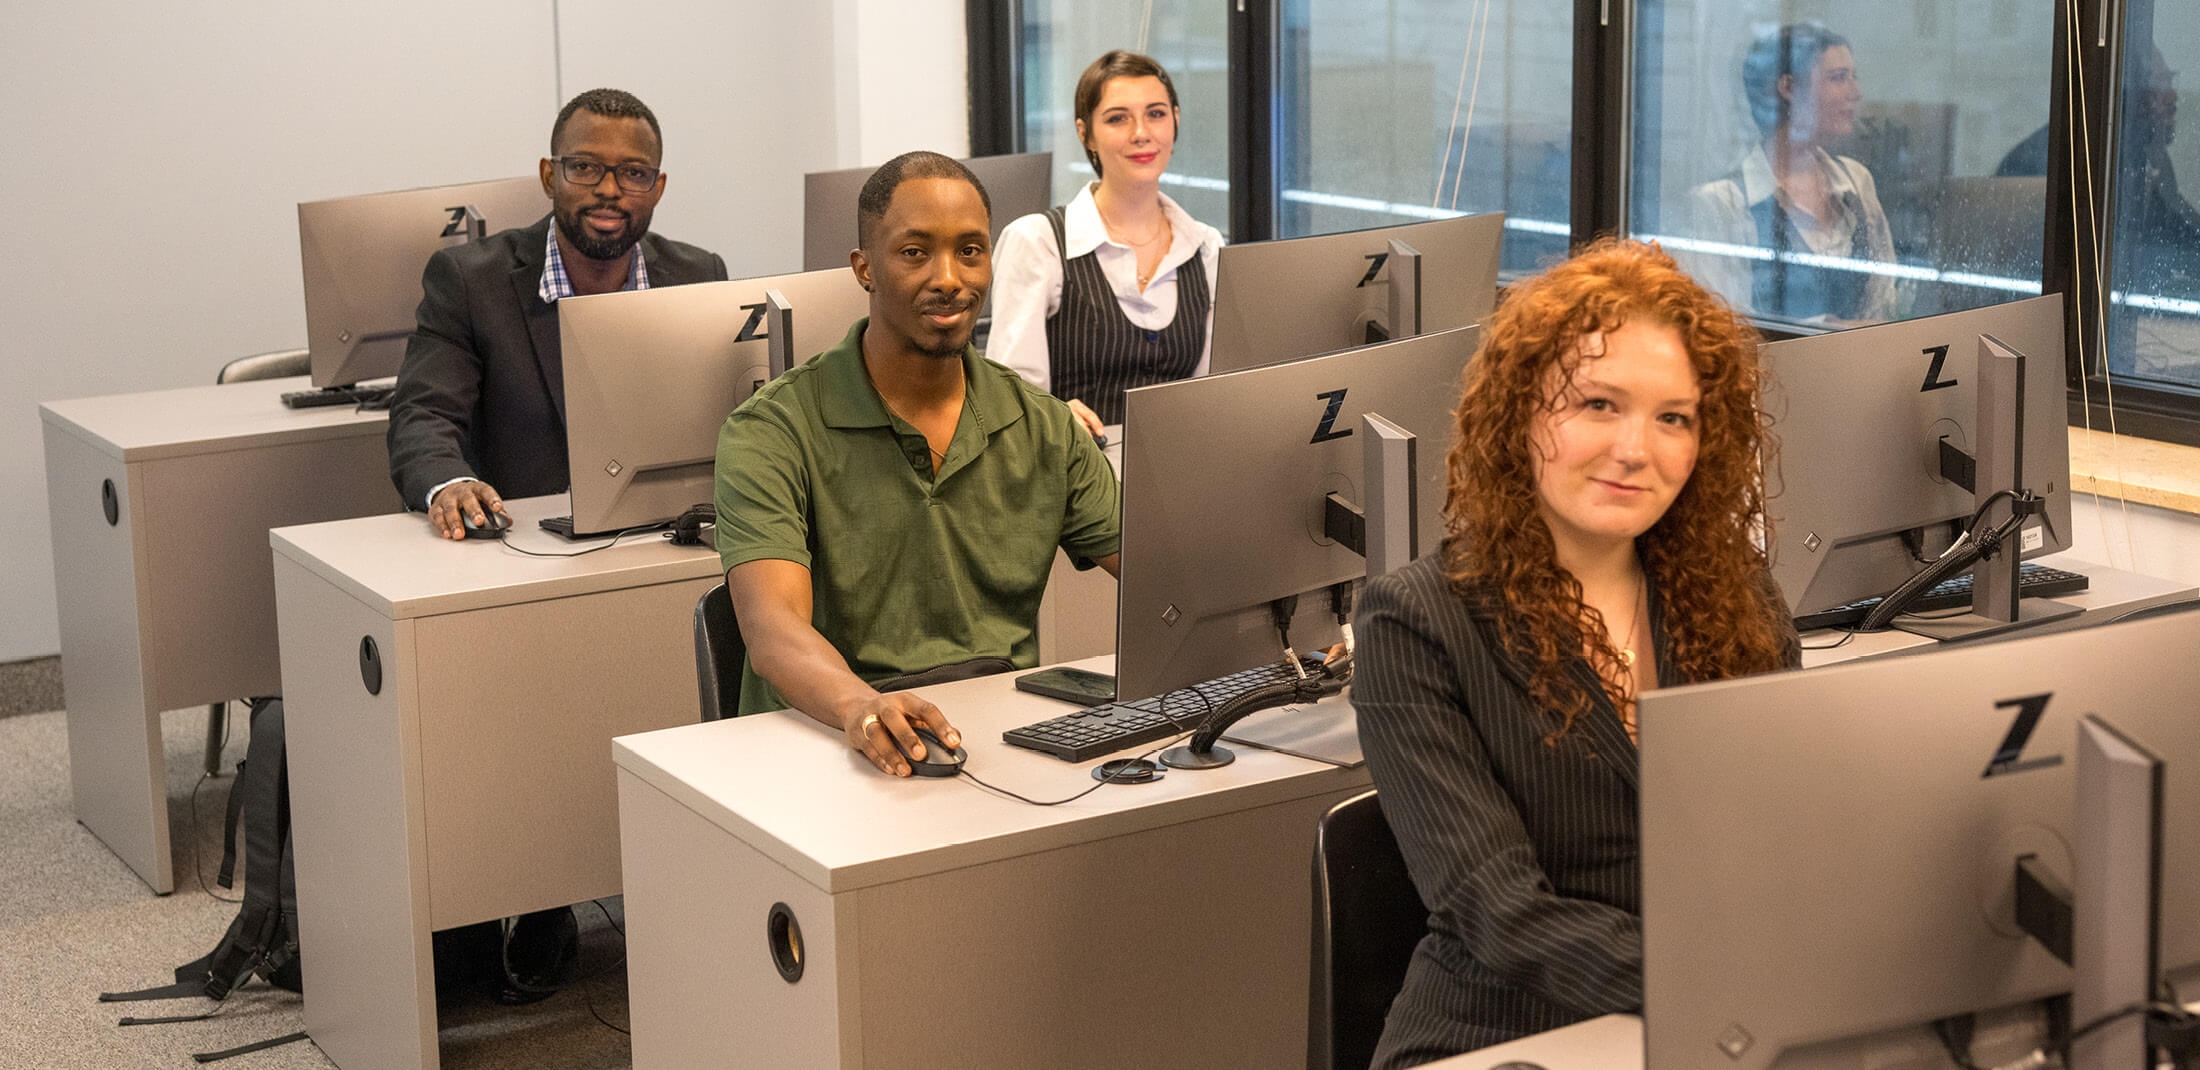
{"x": 632, "y": 177}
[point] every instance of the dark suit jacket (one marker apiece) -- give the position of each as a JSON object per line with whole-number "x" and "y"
{"x": 482, "y": 389}
{"x": 1524, "y": 854}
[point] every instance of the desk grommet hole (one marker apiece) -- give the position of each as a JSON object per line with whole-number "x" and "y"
{"x": 370, "y": 665}
{"x": 783, "y": 935}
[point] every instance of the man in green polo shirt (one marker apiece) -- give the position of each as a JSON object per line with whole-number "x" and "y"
{"x": 894, "y": 504}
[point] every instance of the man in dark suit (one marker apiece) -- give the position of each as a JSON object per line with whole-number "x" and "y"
{"x": 480, "y": 405}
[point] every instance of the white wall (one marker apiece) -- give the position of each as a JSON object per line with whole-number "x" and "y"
{"x": 155, "y": 234}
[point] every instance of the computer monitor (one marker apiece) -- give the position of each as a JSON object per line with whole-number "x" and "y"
{"x": 363, "y": 257}
{"x": 1825, "y": 868}
{"x": 1225, "y": 485}
{"x": 1859, "y": 501}
{"x": 651, "y": 374}
{"x": 1019, "y": 184}
{"x": 1282, "y": 300}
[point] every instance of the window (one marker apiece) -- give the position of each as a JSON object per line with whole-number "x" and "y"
{"x": 1835, "y": 163}
{"x": 1396, "y": 111}
{"x": 1187, "y": 37}
{"x": 2153, "y": 314}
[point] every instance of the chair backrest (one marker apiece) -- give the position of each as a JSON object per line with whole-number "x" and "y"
{"x": 279, "y": 364}
{"x": 719, "y": 653}
{"x": 1367, "y": 919}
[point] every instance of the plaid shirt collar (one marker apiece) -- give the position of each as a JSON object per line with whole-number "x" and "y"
{"x": 556, "y": 285}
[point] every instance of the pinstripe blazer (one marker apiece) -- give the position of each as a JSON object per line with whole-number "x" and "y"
{"x": 1524, "y": 854}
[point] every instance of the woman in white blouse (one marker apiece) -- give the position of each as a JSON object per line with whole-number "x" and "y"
{"x": 1115, "y": 289}
{"x": 1817, "y": 212}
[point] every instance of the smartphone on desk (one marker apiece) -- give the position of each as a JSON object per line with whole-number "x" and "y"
{"x": 1081, "y": 686}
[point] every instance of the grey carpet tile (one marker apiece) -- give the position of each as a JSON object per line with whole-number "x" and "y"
{"x": 75, "y": 921}
{"x": 30, "y": 686}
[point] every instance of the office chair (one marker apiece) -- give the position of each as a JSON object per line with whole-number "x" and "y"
{"x": 1367, "y": 920}
{"x": 279, "y": 364}
{"x": 719, "y": 652}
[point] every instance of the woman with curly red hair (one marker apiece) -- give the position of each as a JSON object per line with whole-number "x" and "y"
{"x": 1605, "y": 501}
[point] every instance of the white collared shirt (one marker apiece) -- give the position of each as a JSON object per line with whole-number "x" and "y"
{"x": 1027, "y": 280}
{"x": 1722, "y": 214}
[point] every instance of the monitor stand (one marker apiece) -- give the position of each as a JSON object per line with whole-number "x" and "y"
{"x": 1998, "y": 472}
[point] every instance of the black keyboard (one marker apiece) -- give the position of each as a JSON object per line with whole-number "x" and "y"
{"x": 1092, "y": 732}
{"x": 2034, "y": 580}
{"x": 373, "y": 397}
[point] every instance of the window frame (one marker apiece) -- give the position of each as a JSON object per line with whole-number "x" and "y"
{"x": 2076, "y": 241}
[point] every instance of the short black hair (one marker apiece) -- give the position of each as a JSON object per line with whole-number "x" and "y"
{"x": 878, "y": 190}
{"x": 1790, "y": 49}
{"x": 611, "y": 104}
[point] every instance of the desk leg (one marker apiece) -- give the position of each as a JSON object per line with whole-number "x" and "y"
{"x": 356, "y": 823}
{"x": 116, "y": 763}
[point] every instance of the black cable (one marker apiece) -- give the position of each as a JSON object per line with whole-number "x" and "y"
{"x": 1973, "y": 547}
{"x": 1846, "y": 635}
{"x": 504, "y": 537}
{"x": 1111, "y": 778}
{"x": 2096, "y": 1025}
{"x": 589, "y": 994}
{"x": 1121, "y": 771}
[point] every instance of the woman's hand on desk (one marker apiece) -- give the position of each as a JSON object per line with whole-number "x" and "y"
{"x": 872, "y": 726}
{"x": 1087, "y": 417}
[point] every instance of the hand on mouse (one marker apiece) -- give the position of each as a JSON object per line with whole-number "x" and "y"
{"x": 1087, "y": 417}
{"x": 465, "y": 500}
{"x": 873, "y": 725}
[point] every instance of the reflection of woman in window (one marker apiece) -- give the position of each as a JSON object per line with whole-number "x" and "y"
{"x": 1605, "y": 490}
{"x": 1794, "y": 198}
{"x": 1115, "y": 289}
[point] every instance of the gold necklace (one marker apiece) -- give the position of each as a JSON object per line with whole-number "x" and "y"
{"x": 1139, "y": 243}
{"x": 1642, "y": 591}
{"x": 936, "y": 451}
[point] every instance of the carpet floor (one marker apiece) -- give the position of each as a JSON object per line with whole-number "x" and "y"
{"x": 74, "y": 921}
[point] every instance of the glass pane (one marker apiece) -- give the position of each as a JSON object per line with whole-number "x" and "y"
{"x": 1190, "y": 38}
{"x": 2154, "y": 273}
{"x": 1396, "y": 111}
{"x": 1840, "y": 162}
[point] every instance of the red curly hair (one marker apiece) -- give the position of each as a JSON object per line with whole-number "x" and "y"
{"x": 1702, "y": 555}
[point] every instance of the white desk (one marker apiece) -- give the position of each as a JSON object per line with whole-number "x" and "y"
{"x": 1163, "y": 923}
{"x": 1613, "y": 1042}
{"x": 476, "y": 783}
{"x": 170, "y": 602}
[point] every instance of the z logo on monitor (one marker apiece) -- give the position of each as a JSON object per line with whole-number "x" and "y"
{"x": 1933, "y": 381}
{"x": 2009, "y": 757}
{"x": 752, "y": 330}
{"x": 457, "y": 225}
{"x": 1375, "y": 263}
{"x": 1327, "y": 430}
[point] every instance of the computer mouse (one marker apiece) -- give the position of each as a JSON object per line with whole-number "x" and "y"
{"x": 494, "y": 528}
{"x": 938, "y": 760}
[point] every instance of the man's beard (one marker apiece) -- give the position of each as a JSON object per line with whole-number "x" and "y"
{"x": 593, "y": 247}
{"x": 946, "y": 350}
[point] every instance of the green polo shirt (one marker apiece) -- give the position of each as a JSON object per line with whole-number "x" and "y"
{"x": 908, "y": 570}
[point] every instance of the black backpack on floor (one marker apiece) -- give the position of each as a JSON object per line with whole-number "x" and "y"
{"x": 263, "y": 939}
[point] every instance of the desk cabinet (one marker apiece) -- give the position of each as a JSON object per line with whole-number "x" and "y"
{"x": 946, "y": 926}
{"x": 160, "y": 505}
{"x": 473, "y": 780}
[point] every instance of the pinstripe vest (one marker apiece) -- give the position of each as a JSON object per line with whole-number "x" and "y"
{"x": 1095, "y": 352}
